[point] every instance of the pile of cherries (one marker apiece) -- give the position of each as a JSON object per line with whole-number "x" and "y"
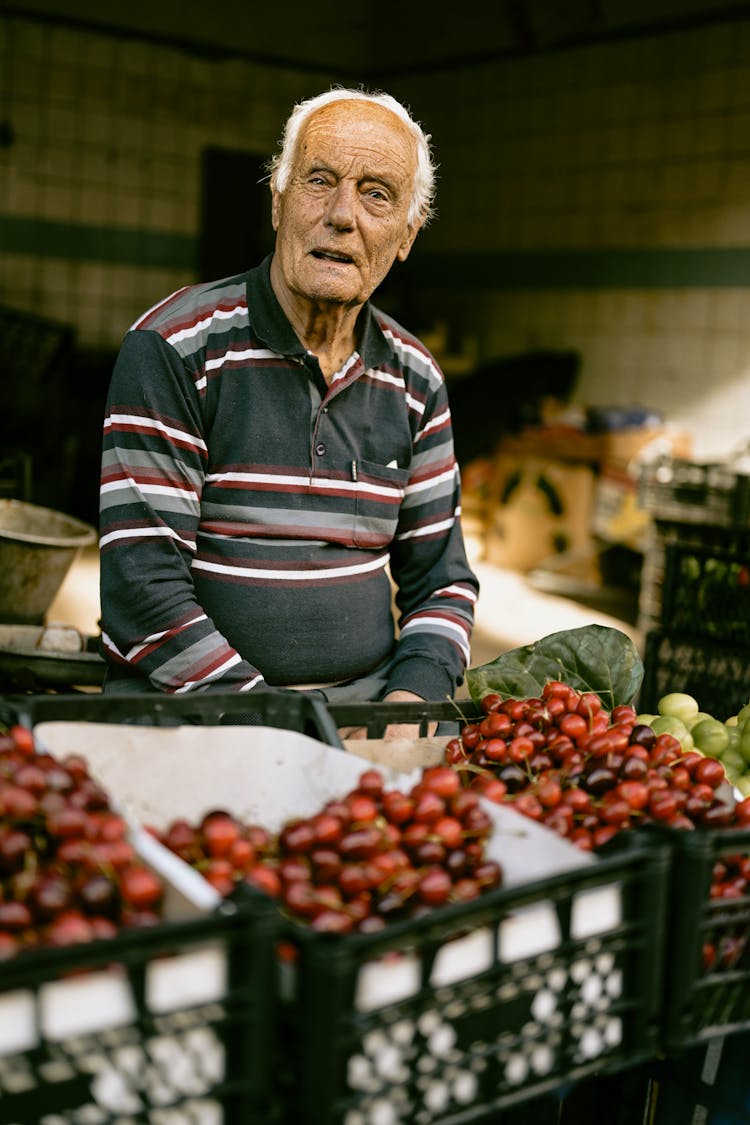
{"x": 372, "y": 856}
{"x": 563, "y": 760}
{"x": 68, "y": 872}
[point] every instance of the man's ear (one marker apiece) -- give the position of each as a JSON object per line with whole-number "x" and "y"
{"x": 411, "y": 233}
{"x": 275, "y": 208}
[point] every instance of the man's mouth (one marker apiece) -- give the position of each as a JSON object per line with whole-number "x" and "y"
{"x": 332, "y": 256}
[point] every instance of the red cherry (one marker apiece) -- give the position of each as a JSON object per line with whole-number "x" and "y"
{"x": 494, "y": 789}
{"x": 327, "y": 828}
{"x": 333, "y": 922}
{"x": 555, "y": 689}
{"x": 455, "y": 752}
{"x": 265, "y": 879}
{"x": 297, "y": 836}
{"x": 520, "y": 748}
{"x": 441, "y": 780}
{"x": 326, "y": 864}
{"x": 362, "y": 808}
{"x": 709, "y": 771}
{"x": 636, "y": 793}
{"x": 434, "y": 886}
{"x": 574, "y": 725}
{"x": 662, "y": 805}
{"x": 496, "y": 724}
{"x": 69, "y": 928}
{"x": 23, "y": 738}
{"x": 14, "y": 916}
{"x": 371, "y": 782}
{"x": 397, "y": 806}
{"x": 220, "y": 831}
{"x": 549, "y": 791}
{"x": 449, "y": 831}
{"x": 470, "y": 735}
{"x": 140, "y": 887}
{"x": 742, "y": 811}
{"x": 491, "y": 702}
{"x": 242, "y": 855}
{"x": 360, "y": 843}
{"x": 529, "y": 805}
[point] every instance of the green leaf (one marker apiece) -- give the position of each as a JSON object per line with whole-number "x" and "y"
{"x": 593, "y": 658}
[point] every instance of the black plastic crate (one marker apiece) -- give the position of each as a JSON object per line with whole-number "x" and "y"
{"x": 707, "y": 592}
{"x": 705, "y": 998}
{"x": 695, "y": 492}
{"x": 556, "y": 980}
{"x": 166, "y": 1024}
{"x": 374, "y": 717}
{"x": 666, "y": 536}
{"x": 714, "y": 673}
{"x": 272, "y": 707}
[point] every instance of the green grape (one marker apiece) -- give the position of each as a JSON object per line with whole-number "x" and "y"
{"x": 743, "y": 741}
{"x": 679, "y": 705}
{"x": 710, "y": 736}
{"x": 733, "y": 763}
{"x": 697, "y": 718}
{"x": 670, "y": 724}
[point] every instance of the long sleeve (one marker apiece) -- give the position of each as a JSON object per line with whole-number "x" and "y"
{"x": 153, "y": 470}
{"x": 436, "y": 588}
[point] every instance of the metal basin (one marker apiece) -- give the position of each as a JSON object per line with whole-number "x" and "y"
{"x": 37, "y": 548}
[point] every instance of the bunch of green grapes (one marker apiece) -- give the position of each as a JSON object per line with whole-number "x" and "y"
{"x": 679, "y": 714}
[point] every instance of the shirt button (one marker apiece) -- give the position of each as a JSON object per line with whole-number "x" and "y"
{"x": 320, "y": 449}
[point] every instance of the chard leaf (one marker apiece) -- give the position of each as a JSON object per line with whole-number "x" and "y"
{"x": 593, "y": 658}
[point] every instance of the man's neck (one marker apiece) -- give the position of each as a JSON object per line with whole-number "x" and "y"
{"x": 327, "y": 330}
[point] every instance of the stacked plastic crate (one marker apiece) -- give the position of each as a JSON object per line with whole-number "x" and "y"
{"x": 694, "y": 605}
{"x": 455, "y": 1015}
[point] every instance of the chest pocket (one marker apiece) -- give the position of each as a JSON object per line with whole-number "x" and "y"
{"x": 378, "y": 496}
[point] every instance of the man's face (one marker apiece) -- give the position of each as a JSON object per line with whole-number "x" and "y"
{"x": 342, "y": 221}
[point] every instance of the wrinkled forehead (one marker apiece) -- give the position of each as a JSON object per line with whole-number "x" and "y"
{"x": 353, "y": 129}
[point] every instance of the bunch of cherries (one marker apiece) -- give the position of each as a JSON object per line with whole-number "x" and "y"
{"x": 587, "y": 773}
{"x": 372, "y": 856}
{"x": 68, "y": 872}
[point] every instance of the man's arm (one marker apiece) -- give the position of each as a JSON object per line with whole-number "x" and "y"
{"x": 436, "y": 588}
{"x": 153, "y": 464}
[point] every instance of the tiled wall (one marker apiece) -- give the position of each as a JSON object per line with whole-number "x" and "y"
{"x": 627, "y": 162}
{"x": 103, "y": 172}
{"x": 595, "y": 198}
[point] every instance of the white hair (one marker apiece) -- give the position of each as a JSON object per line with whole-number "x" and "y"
{"x": 423, "y": 191}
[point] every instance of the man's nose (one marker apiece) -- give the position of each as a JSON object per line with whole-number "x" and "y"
{"x": 341, "y": 205}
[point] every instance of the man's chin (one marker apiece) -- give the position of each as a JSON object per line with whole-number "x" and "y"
{"x": 328, "y": 293}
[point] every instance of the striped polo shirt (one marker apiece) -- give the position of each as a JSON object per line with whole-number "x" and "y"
{"x": 255, "y": 521}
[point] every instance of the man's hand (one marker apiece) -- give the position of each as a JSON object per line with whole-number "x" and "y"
{"x": 405, "y": 730}
{"x": 393, "y": 730}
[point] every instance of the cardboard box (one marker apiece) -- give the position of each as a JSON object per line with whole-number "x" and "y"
{"x": 623, "y": 447}
{"x": 539, "y": 508}
{"x": 617, "y": 516}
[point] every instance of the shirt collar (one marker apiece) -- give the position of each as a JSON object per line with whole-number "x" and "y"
{"x": 271, "y": 326}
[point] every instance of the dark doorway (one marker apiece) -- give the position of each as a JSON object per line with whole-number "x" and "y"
{"x": 235, "y": 230}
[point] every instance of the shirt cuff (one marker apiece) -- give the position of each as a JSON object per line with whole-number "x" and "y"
{"x": 423, "y": 677}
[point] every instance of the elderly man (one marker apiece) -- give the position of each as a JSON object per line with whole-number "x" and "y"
{"x": 278, "y": 454}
